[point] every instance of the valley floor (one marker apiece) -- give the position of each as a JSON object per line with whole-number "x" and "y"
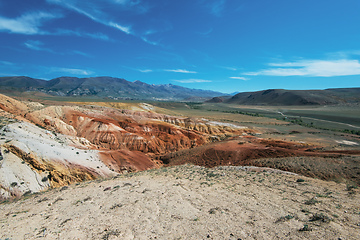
{"x": 188, "y": 202}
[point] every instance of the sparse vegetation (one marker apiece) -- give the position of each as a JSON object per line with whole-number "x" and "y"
{"x": 320, "y": 217}
{"x": 305, "y": 228}
{"x": 118, "y": 205}
{"x": 311, "y": 201}
{"x": 109, "y": 233}
{"x": 285, "y": 218}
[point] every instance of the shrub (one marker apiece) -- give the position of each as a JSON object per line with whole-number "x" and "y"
{"x": 312, "y": 201}
{"x": 305, "y": 228}
{"x": 320, "y": 217}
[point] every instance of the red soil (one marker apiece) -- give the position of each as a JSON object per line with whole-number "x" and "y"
{"x": 235, "y": 152}
{"x": 125, "y": 160}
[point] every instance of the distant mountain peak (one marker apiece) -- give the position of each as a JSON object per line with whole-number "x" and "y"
{"x": 104, "y": 87}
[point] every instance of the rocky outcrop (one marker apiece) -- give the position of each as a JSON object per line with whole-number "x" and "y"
{"x": 34, "y": 159}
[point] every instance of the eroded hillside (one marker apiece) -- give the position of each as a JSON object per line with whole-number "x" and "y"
{"x": 51, "y": 146}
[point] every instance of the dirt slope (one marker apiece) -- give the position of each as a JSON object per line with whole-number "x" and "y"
{"x": 189, "y": 202}
{"x": 305, "y": 159}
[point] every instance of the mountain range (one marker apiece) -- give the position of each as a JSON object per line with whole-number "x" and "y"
{"x": 121, "y": 89}
{"x": 293, "y": 97}
{"x": 103, "y": 87}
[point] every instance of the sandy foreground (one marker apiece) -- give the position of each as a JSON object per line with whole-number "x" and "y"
{"x": 188, "y": 202}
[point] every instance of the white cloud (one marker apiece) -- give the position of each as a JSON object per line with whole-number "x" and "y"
{"x": 216, "y": 6}
{"x": 343, "y": 54}
{"x": 37, "y": 45}
{"x": 5, "y": 74}
{"x": 240, "y": 78}
{"x": 150, "y": 42}
{"x": 72, "y": 71}
{"x": 98, "y": 35}
{"x": 150, "y": 31}
{"x": 179, "y": 71}
{"x": 126, "y": 2}
{"x": 122, "y": 2}
{"x": 92, "y": 11}
{"x": 28, "y": 23}
{"x": 230, "y": 68}
{"x": 6, "y": 63}
{"x": 192, "y": 81}
{"x": 124, "y": 29}
{"x": 312, "y": 68}
{"x": 81, "y": 53}
{"x": 109, "y": 12}
{"x": 145, "y": 70}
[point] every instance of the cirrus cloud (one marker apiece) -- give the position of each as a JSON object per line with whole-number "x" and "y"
{"x": 72, "y": 71}
{"x": 192, "y": 81}
{"x": 145, "y": 70}
{"x": 37, "y": 45}
{"x": 94, "y": 11}
{"x": 240, "y": 78}
{"x": 31, "y": 24}
{"x": 179, "y": 71}
{"x": 312, "y": 68}
{"x": 28, "y": 23}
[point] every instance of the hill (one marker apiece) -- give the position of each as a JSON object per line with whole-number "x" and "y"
{"x": 295, "y": 97}
{"x": 103, "y": 87}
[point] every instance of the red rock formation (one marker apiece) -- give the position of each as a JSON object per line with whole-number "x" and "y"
{"x": 124, "y": 140}
{"x": 127, "y": 161}
{"x": 137, "y": 131}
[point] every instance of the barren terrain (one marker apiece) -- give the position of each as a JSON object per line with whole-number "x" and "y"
{"x": 189, "y": 202}
{"x": 120, "y": 170}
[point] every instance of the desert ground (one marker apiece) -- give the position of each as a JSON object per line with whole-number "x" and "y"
{"x": 189, "y": 202}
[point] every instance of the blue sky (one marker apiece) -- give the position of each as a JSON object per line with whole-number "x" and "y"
{"x": 221, "y": 45}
